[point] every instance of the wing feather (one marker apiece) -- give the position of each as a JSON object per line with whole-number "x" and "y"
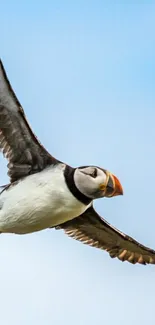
{"x": 17, "y": 141}
{"x": 92, "y": 230}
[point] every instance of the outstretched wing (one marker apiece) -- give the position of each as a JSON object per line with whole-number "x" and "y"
{"x": 17, "y": 141}
{"x": 92, "y": 230}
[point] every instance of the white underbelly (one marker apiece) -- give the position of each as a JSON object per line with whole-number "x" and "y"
{"x": 38, "y": 220}
{"x": 36, "y": 203}
{"x": 28, "y": 223}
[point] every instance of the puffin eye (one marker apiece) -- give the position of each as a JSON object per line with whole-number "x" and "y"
{"x": 94, "y": 173}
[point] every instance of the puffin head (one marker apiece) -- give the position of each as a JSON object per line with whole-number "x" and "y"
{"x": 95, "y": 182}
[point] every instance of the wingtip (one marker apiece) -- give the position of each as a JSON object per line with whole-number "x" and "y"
{"x": 1, "y": 63}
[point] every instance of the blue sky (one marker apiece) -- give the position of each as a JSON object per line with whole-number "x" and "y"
{"x": 84, "y": 72}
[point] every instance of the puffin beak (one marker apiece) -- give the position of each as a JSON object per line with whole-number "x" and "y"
{"x": 118, "y": 190}
{"x": 113, "y": 187}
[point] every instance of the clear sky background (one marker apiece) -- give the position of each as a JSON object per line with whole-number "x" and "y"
{"x": 84, "y": 72}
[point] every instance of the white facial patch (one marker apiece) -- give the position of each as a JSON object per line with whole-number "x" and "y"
{"x": 88, "y": 181}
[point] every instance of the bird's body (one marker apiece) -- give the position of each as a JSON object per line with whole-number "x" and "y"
{"x": 45, "y": 192}
{"x": 37, "y": 202}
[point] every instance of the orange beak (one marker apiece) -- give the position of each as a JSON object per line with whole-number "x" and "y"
{"x": 113, "y": 187}
{"x": 118, "y": 189}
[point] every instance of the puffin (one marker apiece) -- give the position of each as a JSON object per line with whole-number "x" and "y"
{"x": 47, "y": 193}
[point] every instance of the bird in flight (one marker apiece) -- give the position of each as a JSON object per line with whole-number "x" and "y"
{"x": 47, "y": 193}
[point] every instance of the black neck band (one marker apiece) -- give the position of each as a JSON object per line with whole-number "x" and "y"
{"x": 69, "y": 177}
